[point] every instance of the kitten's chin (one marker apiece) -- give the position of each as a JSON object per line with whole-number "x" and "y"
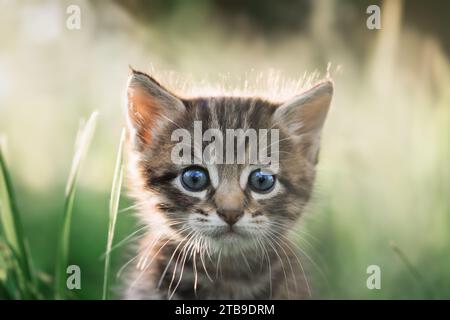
{"x": 229, "y": 237}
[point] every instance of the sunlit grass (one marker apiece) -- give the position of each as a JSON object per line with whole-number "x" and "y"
{"x": 82, "y": 144}
{"x": 113, "y": 210}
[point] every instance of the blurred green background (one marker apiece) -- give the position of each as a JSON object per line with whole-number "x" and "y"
{"x": 384, "y": 171}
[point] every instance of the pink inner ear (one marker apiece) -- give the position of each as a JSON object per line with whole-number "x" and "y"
{"x": 143, "y": 112}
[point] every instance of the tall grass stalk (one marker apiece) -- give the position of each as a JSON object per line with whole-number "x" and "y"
{"x": 415, "y": 273}
{"x": 16, "y": 251}
{"x": 113, "y": 209}
{"x": 82, "y": 143}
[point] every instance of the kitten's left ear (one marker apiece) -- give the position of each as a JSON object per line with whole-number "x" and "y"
{"x": 304, "y": 115}
{"x": 150, "y": 106}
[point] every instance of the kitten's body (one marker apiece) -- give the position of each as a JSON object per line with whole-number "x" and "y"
{"x": 235, "y": 278}
{"x": 193, "y": 249}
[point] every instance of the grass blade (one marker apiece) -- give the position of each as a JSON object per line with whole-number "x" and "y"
{"x": 113, "y": 209}
{"x": 13, "y": 232}
{"x": 412, "y": 269}
{"x": 82, "y": 143}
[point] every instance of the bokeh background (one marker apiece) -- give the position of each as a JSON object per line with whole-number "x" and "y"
{"x": 383, "y": 176}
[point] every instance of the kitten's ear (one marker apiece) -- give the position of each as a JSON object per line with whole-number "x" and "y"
{"x": 150, "y": 106}
{"x": 304, "y": 115}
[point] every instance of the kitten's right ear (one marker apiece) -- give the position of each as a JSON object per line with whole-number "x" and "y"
{"x": 149, "y": 106}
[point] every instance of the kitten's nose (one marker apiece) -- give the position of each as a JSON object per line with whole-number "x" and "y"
{"x": 230, "y": 216}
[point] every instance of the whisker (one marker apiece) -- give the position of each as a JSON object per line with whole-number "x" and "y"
{"x": 322, "y": 274}
{"x": 170, "y": 260}
{"x": 274, "y": 238}
{"x": 134, "y": 206}
{"x": 245, "y": 259}
{"x": 184, "y": 258}
{"x": 180, "y": 254}
{"x": 202, "y": 258}
{"x": 301, "y": 266}
{"x": 266, "y": 254}
{"x": 123, "y": 241}
{"x": 269, "y": 241}
{"x": 218, "y": 263}
{"x": 145, "y": 267}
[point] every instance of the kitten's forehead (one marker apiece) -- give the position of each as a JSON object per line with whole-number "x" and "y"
{"x": 232, "y": 112}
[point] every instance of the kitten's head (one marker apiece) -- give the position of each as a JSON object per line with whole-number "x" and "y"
{"x": 230, "y": 200}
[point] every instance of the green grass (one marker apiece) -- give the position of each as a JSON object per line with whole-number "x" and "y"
{"x": 82, "y": 144}
{"x": 113, "y": 210}
{"x": 18, "y": 276}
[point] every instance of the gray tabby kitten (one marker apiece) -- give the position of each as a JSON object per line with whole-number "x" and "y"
{"x": 219, "y": 231}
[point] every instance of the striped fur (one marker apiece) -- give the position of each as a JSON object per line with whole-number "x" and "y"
{"x": 185, "y": 255}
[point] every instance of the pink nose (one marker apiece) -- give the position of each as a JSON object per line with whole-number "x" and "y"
{"x": 230, "y": 216}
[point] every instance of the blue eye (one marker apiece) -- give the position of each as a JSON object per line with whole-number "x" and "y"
{"x": 261, "y": 181}
{"x": 194, "y": 179}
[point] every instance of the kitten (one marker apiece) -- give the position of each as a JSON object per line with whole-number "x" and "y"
{"x": 220, "y": 230}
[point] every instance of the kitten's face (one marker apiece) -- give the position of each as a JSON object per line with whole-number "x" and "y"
{"x": 233, "y": 205}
